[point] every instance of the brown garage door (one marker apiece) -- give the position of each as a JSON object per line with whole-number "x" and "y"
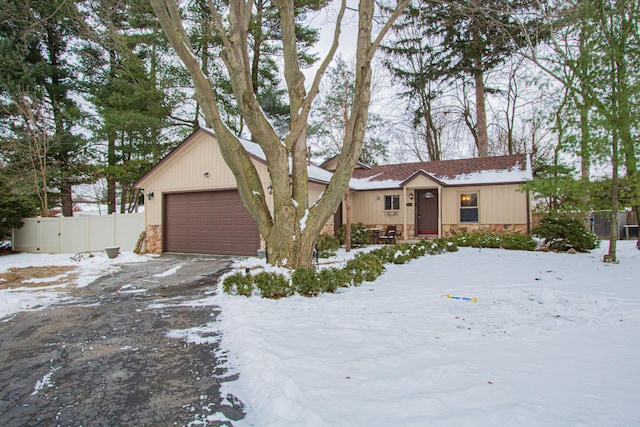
{"x": 210, "y": 222}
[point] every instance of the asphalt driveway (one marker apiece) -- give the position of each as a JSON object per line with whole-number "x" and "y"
{"x": 106, "y": 358}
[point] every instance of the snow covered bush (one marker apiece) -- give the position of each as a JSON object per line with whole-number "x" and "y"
{"x": 514, "y": 241}
{"x": 562, "y": 233}
{"x": 272, "y": 285}
{"x": 238, "y": 284}
{"x": 518, "y": 242}
{"x": 305, "y": 281}
{"x": 333, "y": 278}
{"x": 364, "y": 267}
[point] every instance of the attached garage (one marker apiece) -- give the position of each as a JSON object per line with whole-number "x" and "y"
{"x": 208, "y": 222}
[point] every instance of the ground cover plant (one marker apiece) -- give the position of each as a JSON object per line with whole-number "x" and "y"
{"x": 364, "y": 267}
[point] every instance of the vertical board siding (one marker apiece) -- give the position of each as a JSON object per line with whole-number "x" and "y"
{"x": 78, "y": 234}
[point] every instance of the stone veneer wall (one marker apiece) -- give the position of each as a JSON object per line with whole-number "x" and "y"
{"x": 454, "y": 229}
{"x": 153, "y": 239}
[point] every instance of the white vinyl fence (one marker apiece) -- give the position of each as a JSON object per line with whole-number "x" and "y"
{"x": 78, "y": 234}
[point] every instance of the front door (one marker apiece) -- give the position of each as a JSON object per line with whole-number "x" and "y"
{"x": 427, "y": 212}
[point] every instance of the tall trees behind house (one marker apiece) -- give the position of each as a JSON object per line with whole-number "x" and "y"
{"x": 594, "y": 52}
{"x": 455, "y": 41}
{"x": 330, "y": 118}
{"x": 123, "y": 59}
{"x": 40, "y": 118}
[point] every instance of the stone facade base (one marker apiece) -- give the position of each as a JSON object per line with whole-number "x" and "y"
{"x": 454, "y": 229}
{"x": 153, "y": 239}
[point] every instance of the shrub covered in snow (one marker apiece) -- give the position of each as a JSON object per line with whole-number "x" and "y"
{"x": 238, "y": 284}
{"x": 564, "y": 233}
{"x": 514, "y": 241}
{"x": 272, "y": 285}
{"x": 305, "y": 281}
{"x": 333, "y": 278}
{"x": 364, "y": 267}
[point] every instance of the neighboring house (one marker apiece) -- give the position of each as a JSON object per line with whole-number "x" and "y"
{"x": 193, "y": 206}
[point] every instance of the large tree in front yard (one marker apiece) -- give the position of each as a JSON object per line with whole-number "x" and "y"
{"x": 291, "y": 230}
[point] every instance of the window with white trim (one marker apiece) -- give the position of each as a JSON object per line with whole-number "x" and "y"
{"x": 392, "y": 202}
{"x": 469, "y": 207}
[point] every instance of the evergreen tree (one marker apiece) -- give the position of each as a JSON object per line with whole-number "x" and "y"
{"x": 330, "y": 118}
{"x": 35, "y": 51}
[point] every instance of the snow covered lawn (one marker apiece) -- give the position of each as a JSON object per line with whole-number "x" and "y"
{"x": 553, "y": 340}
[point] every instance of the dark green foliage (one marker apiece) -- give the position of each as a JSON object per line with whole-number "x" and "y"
{"x": 272, "y": 285}
{"x": 360, "y": 235}
{"x": 364, "y": 267}
{"x": 333, "y": 278}
{"x": 13, "y": 206}
{"x": 518, "y": 242}
{"x": 562, "y": 233}
{"x": 305, "y": 281}
{"x": 238, "y": 284}
{"x": 327, "y": 245}
{"x": 513, "y": 241}
{"x": 385, "y": 254}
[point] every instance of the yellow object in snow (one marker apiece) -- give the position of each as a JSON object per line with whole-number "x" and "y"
{"x": 474, "y": 299}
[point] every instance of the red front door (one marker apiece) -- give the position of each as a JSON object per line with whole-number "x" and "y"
{"x": 427, "y": 212}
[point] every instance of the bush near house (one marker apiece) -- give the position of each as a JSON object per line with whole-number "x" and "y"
{"x": 512, "y": 241}
{"x": 305, "y": 281}
{"x": 359, "y": 234}
{"x": 272, "y": 285}
{"x": 238, "y": 284}
{"x": 561, "y": 233}
{"x": 365, "y": 267}
{"x": 327, "y": 245}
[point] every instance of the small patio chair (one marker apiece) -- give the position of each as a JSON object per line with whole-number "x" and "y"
{"x": 389, "y": 235}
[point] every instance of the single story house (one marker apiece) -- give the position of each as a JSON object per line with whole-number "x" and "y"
{"x": 192, "y": 204}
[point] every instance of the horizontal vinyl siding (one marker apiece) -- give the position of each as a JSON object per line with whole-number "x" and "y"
{"x": 366, "y": 209}
{"x": 498, "y": 204}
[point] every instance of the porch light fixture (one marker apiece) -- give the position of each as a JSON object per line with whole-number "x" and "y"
{"x": 269, "y": 189}
{"x": 428, "y": 195}
{"x": 410, "y": 196}
{"x": 206, "y": 175}
{"x": 150, "y": 195}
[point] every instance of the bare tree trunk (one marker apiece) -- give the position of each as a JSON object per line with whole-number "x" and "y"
{"x": 291, "y": 229}
{"x": 613, "y": 240}
{"x": 481, "y": 111}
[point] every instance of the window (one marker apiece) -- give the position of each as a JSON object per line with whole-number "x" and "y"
{"x": 469, "y": 207}
{"x": 392, "y": 203}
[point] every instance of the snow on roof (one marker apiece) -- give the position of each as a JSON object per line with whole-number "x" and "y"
{"x": 488, "y": 170}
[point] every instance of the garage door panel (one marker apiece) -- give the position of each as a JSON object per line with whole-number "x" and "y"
{"x": 212, "y": 222}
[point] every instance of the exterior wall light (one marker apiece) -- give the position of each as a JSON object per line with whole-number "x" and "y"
{"x": 206, "y": 175}
{"x": 150, "y": 195}
{"x": 410, "y": 196}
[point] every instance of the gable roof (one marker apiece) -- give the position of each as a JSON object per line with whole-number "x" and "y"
{"x": 483, "y": 170}
{"x": 477, "y": 171}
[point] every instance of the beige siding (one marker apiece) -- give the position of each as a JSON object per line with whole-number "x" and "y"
{"x": 497, "y": 204}
{"x": 368, "y": 207}
{"x": 185, "y": 171}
